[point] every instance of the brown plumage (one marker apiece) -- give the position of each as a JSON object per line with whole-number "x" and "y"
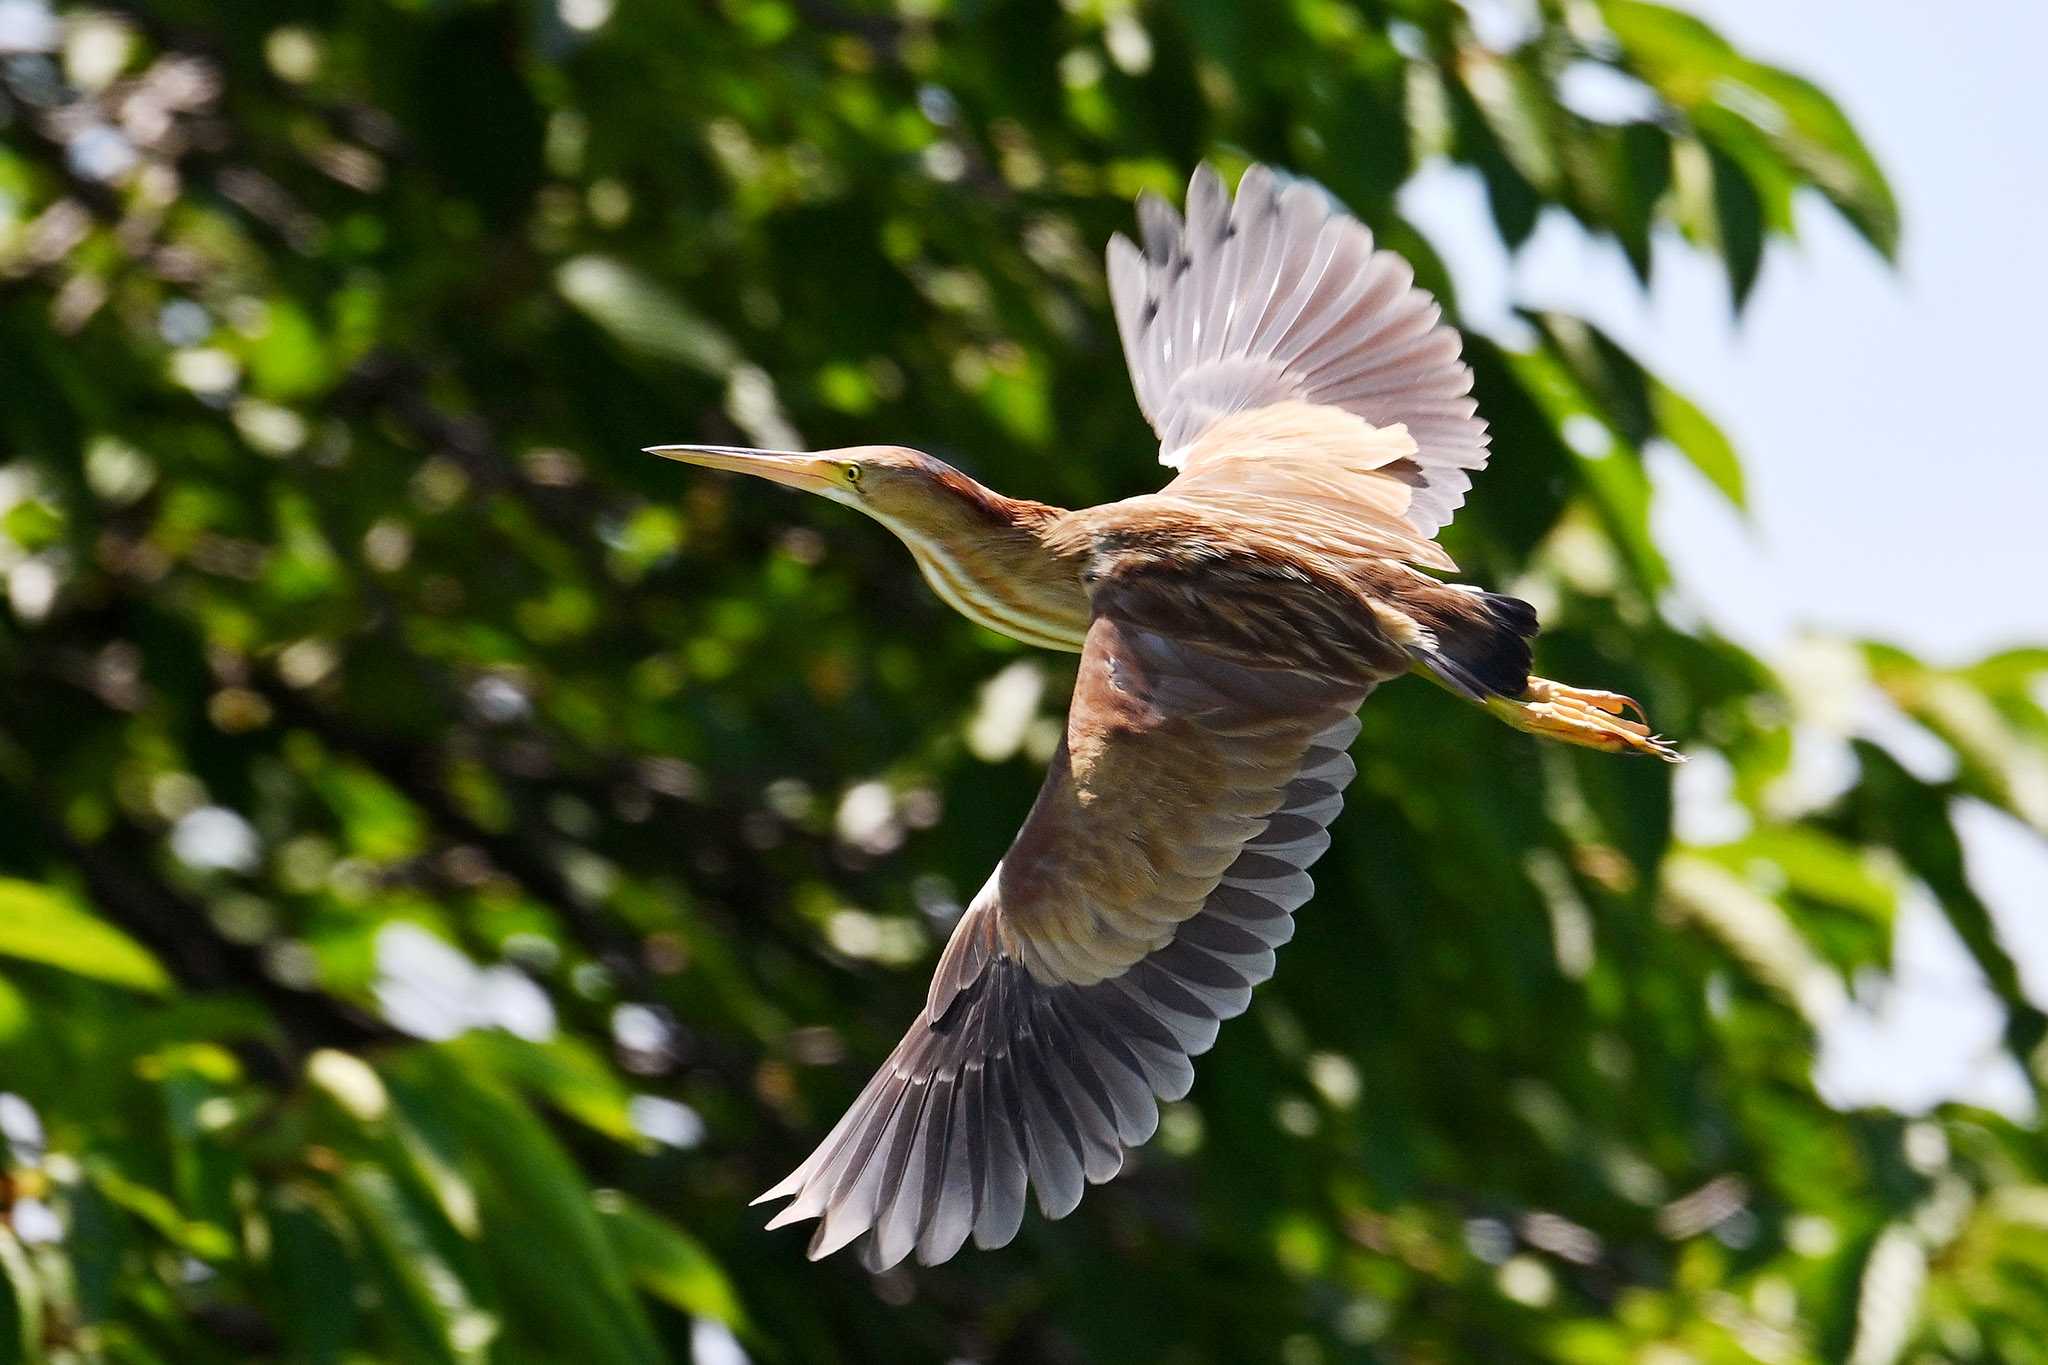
{"x": 1229, "y": 626}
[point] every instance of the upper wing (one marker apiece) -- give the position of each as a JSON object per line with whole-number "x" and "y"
{"x": 1325, "y": 480}
{"x": 1280, "y": 296}
{"x": 1139, "y": 905}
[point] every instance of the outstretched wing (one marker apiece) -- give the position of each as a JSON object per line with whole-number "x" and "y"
{"x": 1139, "y": 905}
{"x": 1279, "y": 297}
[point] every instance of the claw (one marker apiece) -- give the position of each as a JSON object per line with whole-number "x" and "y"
{"x": 1583, "y": 716}
{"x": 1615, "y": 703}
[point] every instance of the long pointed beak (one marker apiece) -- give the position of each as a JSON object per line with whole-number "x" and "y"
{"x": 791, "y": 468}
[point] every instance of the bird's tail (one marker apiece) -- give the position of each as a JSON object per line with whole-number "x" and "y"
{"x": 1477, "y": 645}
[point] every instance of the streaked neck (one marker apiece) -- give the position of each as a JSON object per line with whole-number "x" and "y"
{"x": 988, "y": 561}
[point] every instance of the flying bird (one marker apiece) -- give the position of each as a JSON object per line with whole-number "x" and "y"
{"x": 1315, "y": 412}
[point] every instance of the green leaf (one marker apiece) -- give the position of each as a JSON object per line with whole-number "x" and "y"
{"x": 380, "y": 823}
{"x": 1557, "y": 377}
{"x": 1756, "y": 930}
{"x": 21, "y": 1304}
{"x": 1616, "y": 387}
{"x": 1699, "y": 440}
{"x": 1618, "y": 177}
{"x": 314, "y": 1278}
{"x": 1738, "y": 225}
{"x": 667, "y": 1262}
{"x": 158, "y": 1211}
{"x": 1702, "y": 74}
{"x": 1514, "y": 201}
{"x": 39, "y": 924}
{"x": 539, "y": 1225}
{"x": 14, "y": 1013}
{"x": 285, "y": 357}
{"x": 1817, "y": 865}
{"x": 1518, "y": 109}
{"x": 565, "y": 1072}
{"x": 1823, "y": 143}
{"x": 1890, "y": 807}
{"x": 99, "y": 1241}
{"x": 2011, "y": 670}
{"x": 1999, "y": 762}
{"x": 644, "y": 317}
{"x": 1725, "y": 204}
{"x": 432, "y": 1304}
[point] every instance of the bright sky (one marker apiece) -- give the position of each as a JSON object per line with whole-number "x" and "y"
{"x": 1898, "y": 482}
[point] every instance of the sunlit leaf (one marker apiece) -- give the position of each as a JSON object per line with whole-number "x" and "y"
{"x": 1696, "y": 437}
{"x": 643, "y": 316}
{"x": 21, "y": 1304}
{"x": 1816, "y": 865}
{"x": 1518, "y": 109}
{"x": 40, "y": 925}
{"x": 1607, "y": 466}
{"x": 284, "y": 352}
{"x": 565, "y": 1072}
{"x": 429, "y": 1299}
{"x": 1757, "y": 931}
{"x": 1699, "y": 71}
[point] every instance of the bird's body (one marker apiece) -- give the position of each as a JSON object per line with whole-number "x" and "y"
{"x": 1229, "y": 627}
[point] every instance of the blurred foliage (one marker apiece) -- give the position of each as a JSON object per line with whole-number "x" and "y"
{"x": 452, "y": 861}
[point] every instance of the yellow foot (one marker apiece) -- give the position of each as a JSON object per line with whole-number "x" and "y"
{"x": 1582, "y": 716}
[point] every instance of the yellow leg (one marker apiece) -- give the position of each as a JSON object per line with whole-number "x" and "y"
{"x": 1582, "y": 716}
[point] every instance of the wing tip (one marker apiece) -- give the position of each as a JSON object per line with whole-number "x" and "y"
{"x": 1033, "y": 1093}
{"x": 1269, "y": 302}
{"x": 784, "y": 1216}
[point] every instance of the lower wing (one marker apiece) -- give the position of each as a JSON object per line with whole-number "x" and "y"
{"x": 1137, "y": 909}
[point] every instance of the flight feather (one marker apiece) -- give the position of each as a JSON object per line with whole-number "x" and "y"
{"x": 1279, "y": 296}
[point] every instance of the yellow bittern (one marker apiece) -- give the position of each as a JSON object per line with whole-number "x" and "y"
{"x": 1315, "y": 411}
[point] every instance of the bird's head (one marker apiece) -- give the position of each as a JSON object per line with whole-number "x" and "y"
{"x": 902, "y": 488}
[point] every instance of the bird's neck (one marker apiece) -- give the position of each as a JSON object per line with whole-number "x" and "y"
{"x": 987, "y": 556}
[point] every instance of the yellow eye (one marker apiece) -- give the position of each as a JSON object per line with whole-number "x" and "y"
{"x": 853, "y": 476}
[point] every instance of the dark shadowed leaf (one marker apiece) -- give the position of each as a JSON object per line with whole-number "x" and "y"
{"x": 1738, "y": 223}
{"x": 667, "y": 1262}
{"x": 538, "y": 1224}
{"x": 317, "y": 1288}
